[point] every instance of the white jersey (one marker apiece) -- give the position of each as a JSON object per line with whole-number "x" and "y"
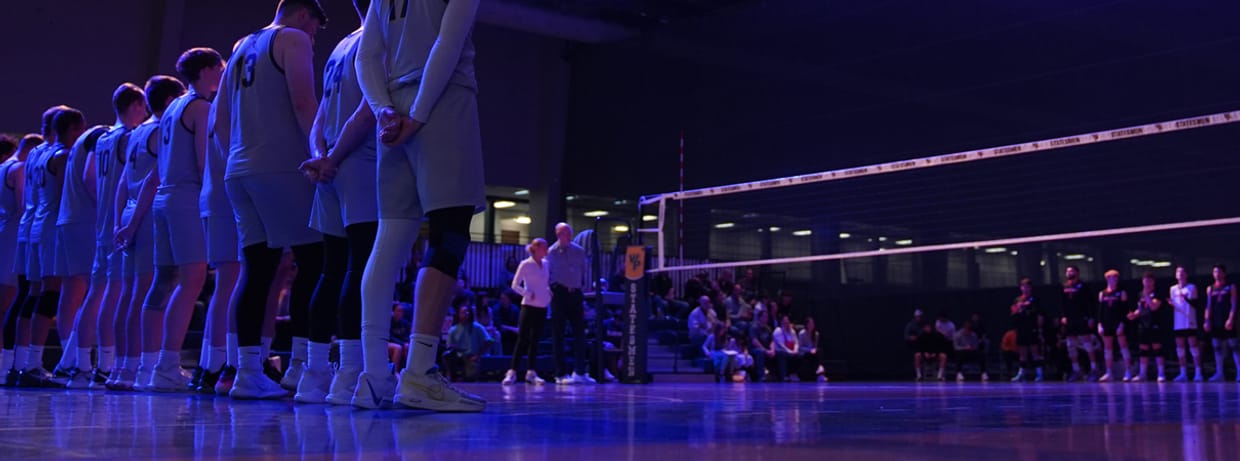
{"x": 1185, "y": 313}
{"x": 402, "y": 34}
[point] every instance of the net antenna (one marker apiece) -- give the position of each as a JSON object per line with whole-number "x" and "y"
{"x": 944, "y": 160}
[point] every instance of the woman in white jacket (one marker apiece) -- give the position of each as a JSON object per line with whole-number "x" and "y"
{"x": 532, "y": 283}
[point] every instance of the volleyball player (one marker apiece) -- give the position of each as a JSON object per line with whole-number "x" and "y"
{"x": 34, "y": 320}
{"x": 49, "y": 174}
{"x": 416, "y": 69}
{"x": 263, "y": 119}
{"x": 180, "y": 245}
{"x": 129, "y": 103}
{"x": 223, "y": 252}
{"x": 12, "y": 285}
{"x": 1221, "y": 320}
{"x": 1181, "y": 296}
{"x": 1149, "y": 315}
{"x": 75, "y": 253}
{"x": 1076, "y": 320}
{"x": 1027, "y": 320}
{"x": 134, "y": 236}
{"x": 343, "y": 144}
{"x": 1112, "y": 307}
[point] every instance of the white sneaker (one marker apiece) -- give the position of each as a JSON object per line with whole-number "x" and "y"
{"x": 124, "y": 380}
{"x": 80, "y": 380}
{"x": 1127, "y": 376}
{"x": 510, "y": 377}
{"x": 610, "y": 378}
{"x": 167, "y": 379}
{"x": 1162, "y": 378}
{"x": 314, "y": 385}
{"x": 292, "y": 376}
{"x": 565, "y": 380}
{"x": 960, "y": 377}
{"x": 985, "y": 377}
{"x": 253, "y": 384}
{"x": 1106, "y": 378}
{"x": 374, "y": 392}
{"x": 583, "y": 379}
{"x": 142, "y": 381}
{"x": 531, "y": 377}
{"x": 343, "y": 387}
{"x": 432, "y": 391}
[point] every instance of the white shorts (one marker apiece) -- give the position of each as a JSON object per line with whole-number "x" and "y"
{"x": 273, "y": 208}
{"x": 441, "y": 166}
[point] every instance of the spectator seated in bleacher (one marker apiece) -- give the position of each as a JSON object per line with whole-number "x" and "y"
{"x": 760, "y": 346}
{"x": 968, "y": 350}
{"x": 398, "y": 335}
{"x": 932, "y": 346}
{"x": 467, "y": 343}
{"x": 812, "y": 366}
{"x": 715, "y": 348}
{"x": 702, "y": 322}
{"x": 507, "y": 319}
{"x": 787, "y": 349}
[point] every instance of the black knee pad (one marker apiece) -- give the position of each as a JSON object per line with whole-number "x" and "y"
{"x": 161, "y": 287}
{"x": 48, "y": 303}
{"x": 449, "y": 239}
{"x": 30, "y": 306}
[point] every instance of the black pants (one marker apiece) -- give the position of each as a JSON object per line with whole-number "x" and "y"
{"x": 566, "y": 307}
{"x": 529, "y": 329}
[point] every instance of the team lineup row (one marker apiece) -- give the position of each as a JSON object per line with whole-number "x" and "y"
{"x": 108, "y": 230}
{"x": 1156, "y": 319}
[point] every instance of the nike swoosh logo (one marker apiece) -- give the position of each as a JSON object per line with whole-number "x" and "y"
{"x": 378, "y": 400}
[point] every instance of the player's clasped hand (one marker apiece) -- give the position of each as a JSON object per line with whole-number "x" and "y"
{"x": 394, "y": 128}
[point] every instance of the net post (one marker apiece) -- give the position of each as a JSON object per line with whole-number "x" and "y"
{"x": 659, "y": 263}
{"x": 636, "y": 314}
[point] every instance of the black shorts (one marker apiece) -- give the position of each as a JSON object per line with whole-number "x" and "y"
{"x": 1218, "y": 331}
{"x": 1111, "y": 328}
{"x": 1026, "y": 337}
{"x": 1187, "y": 333}
{"x": 1151, "y": 336}
{"x": 1078, "y": 327}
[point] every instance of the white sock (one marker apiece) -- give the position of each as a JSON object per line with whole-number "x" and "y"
{"x": 233, "y": 356}
{"x": 83, "y": 359}
{"x": 148, "y": 360}
{"x": 170, "y": 358}
{"x": 1127, "y": 355}
{"x": 351, "y": 354}
{"x": 204, "y": 353}
{"x": 391, "y": 249}
{"x": 68, "y": 347}
{"x": 422, "y": 352}
{"x": 21, "y": 357}
{"x": 216, "y": 360}
{"x": 36, "y": 357}
{"x": 251, "y": 359}
{"x": 107, "y": 358}
{"x": 6, "y": 360}
{"x": 318, "y": 356}
{"x": 266, "y": 347}
{"x": 300, "y": 350}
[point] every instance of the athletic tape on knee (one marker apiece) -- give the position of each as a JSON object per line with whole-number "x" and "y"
{"x": 449, "y": 254}
{"x": 157, "y": 297}
{"x": 449, "y": 239}
{"x": 48, "y": 304}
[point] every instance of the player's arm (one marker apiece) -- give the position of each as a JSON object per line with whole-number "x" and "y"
{"x": 89, "y": 176}
{"x": 56, "y": 164}
{"x": 318, "y": 142}
{"x": 17, "y": 179}
{"x": 197, "y": 116}
{"x": 220, "y": 119}
{"x": 371, "y": 63}
{"x": 360, "y": 125}
{"x": 296, "y": 52}
{"x": 454, "y": 29}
